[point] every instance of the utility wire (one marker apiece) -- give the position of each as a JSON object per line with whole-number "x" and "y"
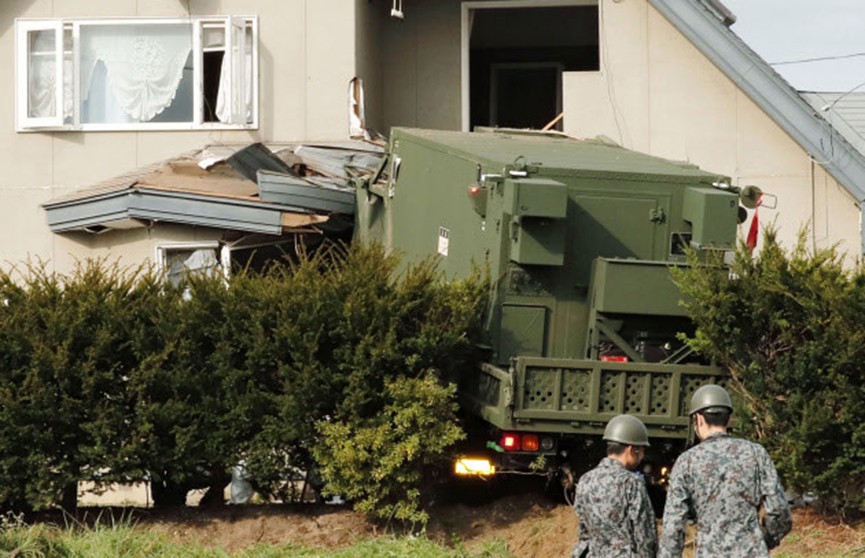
{"x": 819, "y": 59}
{"x": 835, "y": 102}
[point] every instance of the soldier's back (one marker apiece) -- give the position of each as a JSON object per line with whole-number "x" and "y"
{"x": 614, "y": 510}
{"x": 723, "y": 476}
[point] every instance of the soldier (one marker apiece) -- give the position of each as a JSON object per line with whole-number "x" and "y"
{"x": 724, "y": 482}
{"x": 616, "y": 518}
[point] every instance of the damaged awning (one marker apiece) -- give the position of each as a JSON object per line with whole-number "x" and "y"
{"x": 303, "y": 188}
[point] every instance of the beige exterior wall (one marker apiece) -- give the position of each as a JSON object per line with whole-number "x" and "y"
{"x": 411, "y": 67}
{"x": 129, "y": 246}
{"x": 370, "y": 19}
{"x": 657, "y": 93}
{"x": 306, "y": 57}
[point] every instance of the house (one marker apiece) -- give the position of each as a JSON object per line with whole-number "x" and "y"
{"x": 845, "y": 111}
{"x": 105, "y": 90}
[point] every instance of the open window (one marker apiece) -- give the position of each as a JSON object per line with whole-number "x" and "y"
{"x": 252, "y": 253}
{"x": 181, "y": 260}
{"x": 514, "y": 55}
{"x": 135, "y": 73}
{"x": 42, "y": 50}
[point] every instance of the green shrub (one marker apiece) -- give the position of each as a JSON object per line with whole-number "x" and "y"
{"x": 790, "y": 327}
{"x": 379, "y": 462}
{"x": 65, "y": 358}
{"x": 112, "y": 375}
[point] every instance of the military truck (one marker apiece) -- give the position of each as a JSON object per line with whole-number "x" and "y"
{"x": 583, "y": 317}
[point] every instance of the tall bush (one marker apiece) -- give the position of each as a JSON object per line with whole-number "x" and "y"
{"x": 790, "y": 327}
{"x": 407, "y": 336}
{"x": 112, "y": 375}
{"x": 63, "y": 363}
{"x": 353, "y": 324}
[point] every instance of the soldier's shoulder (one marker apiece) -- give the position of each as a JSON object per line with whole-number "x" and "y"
{"x": 741, "y": 443}
{"x": 758, "y": 450}
{"x": 696, "y": 454}
{"x": 590, "y": 476}
{"x": 689, "y": 454}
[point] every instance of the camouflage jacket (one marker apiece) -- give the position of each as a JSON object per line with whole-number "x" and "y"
{"x": 724, "y": 482}
{"x": 616, "y": 517}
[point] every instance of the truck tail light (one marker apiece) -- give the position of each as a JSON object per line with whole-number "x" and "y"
{"x": 510, "y": 441}
{"x": 514, "y": 441}
{"x": 530, "y": 442}
{"x": 614, "y": 358}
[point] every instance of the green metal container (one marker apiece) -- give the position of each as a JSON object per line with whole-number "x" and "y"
{"x": 578, "y": 236}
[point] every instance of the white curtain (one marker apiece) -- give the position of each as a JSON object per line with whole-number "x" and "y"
{"x": 183, "y": 263}
{"x": 143, "y": 64}
{"x": 41, "y": 74}
{"x": 223, "y": 103}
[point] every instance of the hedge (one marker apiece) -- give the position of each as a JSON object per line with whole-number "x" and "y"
{"x": 110, "y": 374}
{"x": 789, "y": 325}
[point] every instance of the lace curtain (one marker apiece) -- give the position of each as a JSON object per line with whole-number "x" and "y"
{"x": 183, "y": 263}
{"x": 223, "y": 103}
{"x": 131, "y": 73}
{"x": 143, "y": 64}
{"x": 42, "y": 75}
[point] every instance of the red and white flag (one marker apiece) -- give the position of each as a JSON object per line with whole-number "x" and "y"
{"x": 751, "y": 241}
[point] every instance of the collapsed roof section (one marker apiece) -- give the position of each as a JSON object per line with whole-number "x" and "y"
{"x": 274, "y": 190}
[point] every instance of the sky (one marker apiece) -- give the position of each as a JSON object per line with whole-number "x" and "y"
{"x": 785, "y": 30}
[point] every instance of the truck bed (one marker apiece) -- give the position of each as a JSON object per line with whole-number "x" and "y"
{"x": 568, "y": 396}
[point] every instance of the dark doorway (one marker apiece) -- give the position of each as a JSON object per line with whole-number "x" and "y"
{"x": 516, "y": 60}
{"x": 525, "y": 95}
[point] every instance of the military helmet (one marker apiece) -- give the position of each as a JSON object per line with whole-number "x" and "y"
{"x": 627, "y": 430}
{"x": 710, "y": 397}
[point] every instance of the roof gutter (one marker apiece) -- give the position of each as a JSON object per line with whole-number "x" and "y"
{"x": 726, "y": 15}
{"x": 174, "y": 207}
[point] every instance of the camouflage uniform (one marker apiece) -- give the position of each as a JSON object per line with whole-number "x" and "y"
{"x": 725, "y": 481}
{"x": 616, "y": 518}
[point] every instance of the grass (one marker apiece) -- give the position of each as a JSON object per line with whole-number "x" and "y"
{"x": 123, "y": 541}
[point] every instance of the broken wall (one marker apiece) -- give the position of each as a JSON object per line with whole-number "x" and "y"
{"x": 411, "y": 67}
{"x": 657, "y": 93}
{"x": 306, "y": 57}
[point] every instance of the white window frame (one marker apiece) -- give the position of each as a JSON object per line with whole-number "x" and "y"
{"x": 22, "y": 75}
{"x": 25, "y": 123}
{"x": 223, "y": 251}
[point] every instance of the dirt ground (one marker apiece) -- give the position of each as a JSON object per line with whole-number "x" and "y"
{"x": 530, "y": 525}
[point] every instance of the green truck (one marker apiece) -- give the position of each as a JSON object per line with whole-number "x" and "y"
{"x": 583, "y": 317}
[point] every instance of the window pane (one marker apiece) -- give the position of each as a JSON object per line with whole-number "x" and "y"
{"x": 234, "y": 99}
{"x": 135, "y": 73}
{"x": 238, "y": 62}
{"x": 248, "y": 77}
{"x": 68, "y": 81}
{"x": 182, "y": 263}
{"x": 213, "y": 37}
{"x": 212, "y": 61}
{"x": 42, "y": 73}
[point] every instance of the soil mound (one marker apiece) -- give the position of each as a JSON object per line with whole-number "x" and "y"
{"x": 531, "y": 525}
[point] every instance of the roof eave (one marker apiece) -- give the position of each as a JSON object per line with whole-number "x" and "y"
{"x": 174, "y": 207}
